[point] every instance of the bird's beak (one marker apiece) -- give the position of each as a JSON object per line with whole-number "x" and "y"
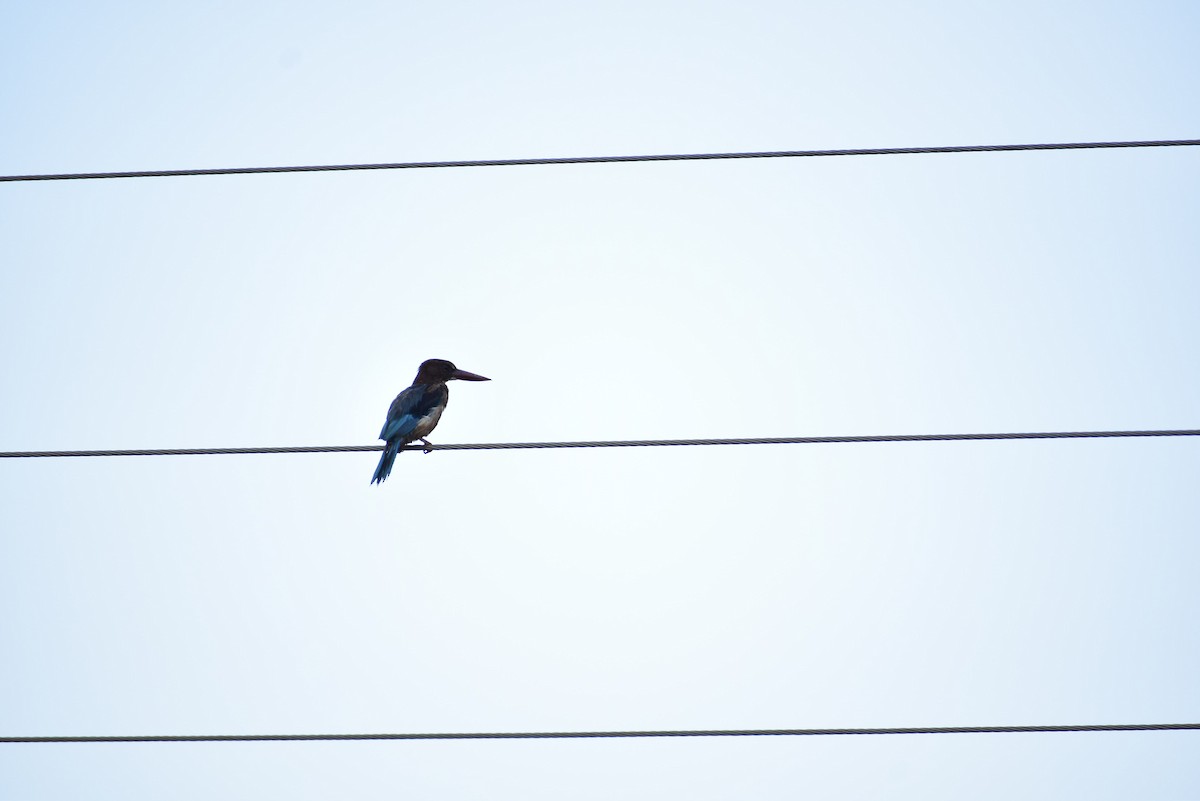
{"x": 463, "y": 375}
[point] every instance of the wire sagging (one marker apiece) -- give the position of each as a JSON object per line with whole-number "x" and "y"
{"x": 770, "y": 154}
{"x": 652, "y": 443}
{"x": 562, "y": 735}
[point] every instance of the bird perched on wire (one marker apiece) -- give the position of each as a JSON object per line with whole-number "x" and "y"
{"x": 415, "y": 411}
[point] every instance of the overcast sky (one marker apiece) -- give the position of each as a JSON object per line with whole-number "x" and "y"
{"x": 789, "y": 586}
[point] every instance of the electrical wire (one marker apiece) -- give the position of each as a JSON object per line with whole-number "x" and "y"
{"x": 770, "y": 154}
{"x": 564, "y": 735}
{"x": 513, "y": 446}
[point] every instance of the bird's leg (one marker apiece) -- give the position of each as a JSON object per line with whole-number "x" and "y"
{"x": 428, "y": 445}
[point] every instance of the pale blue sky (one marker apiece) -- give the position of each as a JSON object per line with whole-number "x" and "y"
{"x": 782, "y": 587}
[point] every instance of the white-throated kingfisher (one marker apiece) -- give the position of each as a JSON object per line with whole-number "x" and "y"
{"x": 415, "y": 411}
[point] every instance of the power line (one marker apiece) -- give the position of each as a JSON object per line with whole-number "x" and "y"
{"x": 564, "y": 735}
{"x": 515, "y": 446}
{"x": 770, "y": 154}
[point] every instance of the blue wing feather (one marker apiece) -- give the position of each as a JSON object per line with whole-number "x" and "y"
{"x": 404, "y": 413}
{"x": 399, "y": 428}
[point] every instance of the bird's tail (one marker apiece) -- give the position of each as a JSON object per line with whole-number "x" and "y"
{"x": 385, "y": 462}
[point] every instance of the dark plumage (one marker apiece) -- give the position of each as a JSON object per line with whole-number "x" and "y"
{"x": 415, "y": 411}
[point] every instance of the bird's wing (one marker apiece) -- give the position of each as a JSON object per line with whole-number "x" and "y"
{"x": 405, "y": 412}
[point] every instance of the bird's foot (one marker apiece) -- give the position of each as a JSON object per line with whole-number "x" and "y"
{"x": 428, "y": 445}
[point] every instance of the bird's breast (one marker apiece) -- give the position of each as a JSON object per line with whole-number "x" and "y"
{"x": 428, "y": 422}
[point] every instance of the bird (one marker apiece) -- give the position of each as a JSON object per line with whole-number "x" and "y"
{"x": 415, "y": 411}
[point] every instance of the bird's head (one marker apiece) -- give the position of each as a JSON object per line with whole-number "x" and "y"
{"x": 439, "y": 371}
